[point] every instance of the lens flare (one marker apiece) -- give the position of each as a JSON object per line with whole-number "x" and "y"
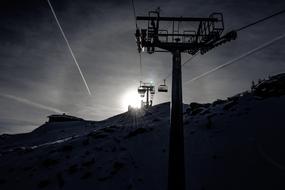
{"x": 131, "y": 98}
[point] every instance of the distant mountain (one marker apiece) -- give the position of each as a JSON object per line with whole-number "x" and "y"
{"x": 237, "y": 143}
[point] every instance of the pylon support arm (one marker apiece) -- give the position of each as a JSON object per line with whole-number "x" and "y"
{"x": 203, "y": 35}
{"x": 179, "y": 19}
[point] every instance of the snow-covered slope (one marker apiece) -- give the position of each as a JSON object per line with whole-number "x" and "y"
{"x": 236, "y": 143}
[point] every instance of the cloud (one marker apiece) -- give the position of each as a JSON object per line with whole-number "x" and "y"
{"x": 31, "y": 103}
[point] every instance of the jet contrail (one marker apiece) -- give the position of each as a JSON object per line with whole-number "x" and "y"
{"x": 237, "y": 58}
{"x": 69, "y": 47}
{"x": 31, "y": 103}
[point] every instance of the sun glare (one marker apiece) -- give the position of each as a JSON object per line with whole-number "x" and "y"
{"x": 131, "y": 98}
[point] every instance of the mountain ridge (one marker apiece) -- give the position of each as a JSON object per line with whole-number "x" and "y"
{"x": 237, "y": 143}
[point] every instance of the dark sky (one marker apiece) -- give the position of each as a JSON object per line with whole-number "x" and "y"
{"x": 38, "y": 76}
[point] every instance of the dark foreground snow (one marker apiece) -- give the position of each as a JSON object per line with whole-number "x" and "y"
{"x": 233, "y": 144}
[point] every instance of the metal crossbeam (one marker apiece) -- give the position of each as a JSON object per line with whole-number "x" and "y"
{"x": 204, "y": 37}
{"x": 179, "y": 19}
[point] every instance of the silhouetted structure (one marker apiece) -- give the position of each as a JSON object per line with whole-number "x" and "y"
{"x": 163, "y": 87}
{"x": 273, "y": 86}
{"x": 205, "y": 34}
{"x": 148, "y": 90}
{"x": 63, "y": 118}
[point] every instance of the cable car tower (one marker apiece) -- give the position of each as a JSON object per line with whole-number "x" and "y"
{"x": 201, "y": 35}
{"x": 146, "y": 89}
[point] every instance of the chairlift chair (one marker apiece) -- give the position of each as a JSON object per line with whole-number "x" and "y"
{"x": 152, "y": 91}
{"x": 141, "y": 90}
{"x": 163, "y": 87}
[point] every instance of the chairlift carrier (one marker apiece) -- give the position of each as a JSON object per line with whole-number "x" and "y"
{"x": 163, "y": 87}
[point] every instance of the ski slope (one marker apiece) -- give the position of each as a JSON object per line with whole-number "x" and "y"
{"x": 237, "y": 143}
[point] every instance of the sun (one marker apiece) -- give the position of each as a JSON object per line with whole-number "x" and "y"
{"x": 131, "y": 98}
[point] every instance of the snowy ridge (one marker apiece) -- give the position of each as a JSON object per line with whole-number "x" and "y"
{"x": 236, "y": 143}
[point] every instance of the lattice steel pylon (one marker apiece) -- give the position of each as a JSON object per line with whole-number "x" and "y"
{"x": 204, "y": 34}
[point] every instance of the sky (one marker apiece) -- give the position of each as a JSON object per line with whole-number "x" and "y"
{"x": 38, "y": 76}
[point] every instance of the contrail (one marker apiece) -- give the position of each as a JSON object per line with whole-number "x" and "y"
{"x": 31, "y": 103}
{"x": 69, "y": 47}
{"x": 237, "y": 58}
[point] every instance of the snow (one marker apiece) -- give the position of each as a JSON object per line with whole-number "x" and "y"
{"x": 237, "y": 143}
